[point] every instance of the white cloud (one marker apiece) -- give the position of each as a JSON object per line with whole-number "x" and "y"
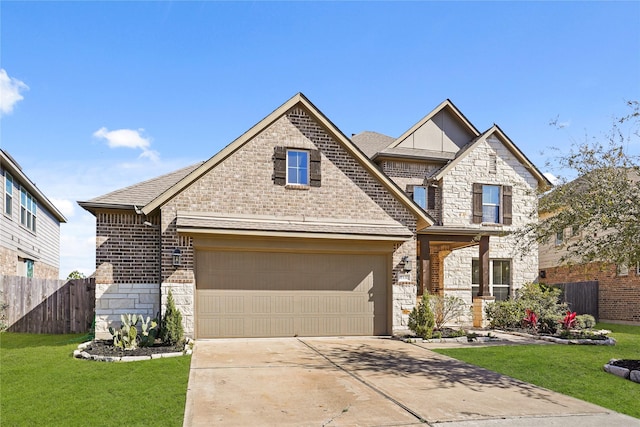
{"x": 64, "y": 206}
{"x": 10, "y": 89}
{"x": 128, "y": 138}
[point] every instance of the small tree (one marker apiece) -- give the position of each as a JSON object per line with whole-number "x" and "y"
{"x": 171, "y": 330}
{"x": 446, "y": 309}
{"x": 601, "y": 202}
{"x": 75, "y": 274}
{"x": 421, "y": 319}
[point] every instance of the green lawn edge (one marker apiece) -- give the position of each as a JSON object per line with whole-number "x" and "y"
{"x": 42, "y": 384}
{"x": 573, "y": 370}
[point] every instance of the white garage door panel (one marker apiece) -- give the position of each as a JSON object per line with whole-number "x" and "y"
{"x": 270, "y": 294}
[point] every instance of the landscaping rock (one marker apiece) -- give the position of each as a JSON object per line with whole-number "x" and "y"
{"x": 634, "y": 376}
{"x": 617, "y": 370}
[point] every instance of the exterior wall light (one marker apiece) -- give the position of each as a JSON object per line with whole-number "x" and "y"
{"x": 406, "y": 263}
{"x": 176, "y": 257}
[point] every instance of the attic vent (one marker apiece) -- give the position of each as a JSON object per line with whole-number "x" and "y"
{"x": 493, "y": 163}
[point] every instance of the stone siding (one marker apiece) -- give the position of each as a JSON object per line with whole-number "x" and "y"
{"x": 458, "y": 209}
{"x": 112, "y": 300}
{"x": 618, "y": 296}
{"x": 9, "y": 266}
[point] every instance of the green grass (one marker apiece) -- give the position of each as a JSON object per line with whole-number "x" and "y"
{"x": 42, "y": 384}
{"x": 574, "y": 370}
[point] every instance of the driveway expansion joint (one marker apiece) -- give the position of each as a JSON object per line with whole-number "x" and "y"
{"x": 365, "y": 383}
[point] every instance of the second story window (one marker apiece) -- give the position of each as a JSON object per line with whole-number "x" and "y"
{"x": 297, "y": 167}
{"x": 28, "y": 210}
{"x": 492, "y": 204}
{"x": 8, "y": 191}
{"x": 425, "y": 197}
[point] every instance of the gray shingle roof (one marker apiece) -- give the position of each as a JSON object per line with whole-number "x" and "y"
{"x": 141, "y": 193}
{"x": 371, "y": 142}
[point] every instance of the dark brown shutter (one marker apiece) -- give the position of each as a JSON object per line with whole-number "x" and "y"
{"x": 280, "y": 165}
{"x": 409, "y": 191}
{"x": 431, "y": 197}
{"x": 506, "y": 204}
{"x": 315, "y": 174}
{"x": 477, "y": 203}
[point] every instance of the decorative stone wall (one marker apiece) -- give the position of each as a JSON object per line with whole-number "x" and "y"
{"x": 183, "y": 296}
{"x": 115, "y": 299}
{"x": 8, "y": 262}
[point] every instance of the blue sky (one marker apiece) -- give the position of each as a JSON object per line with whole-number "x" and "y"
{"x": 100, "y": 95}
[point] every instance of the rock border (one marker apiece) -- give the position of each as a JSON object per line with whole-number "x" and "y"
{"x": 79, "y": 353}
{"x": 622, "y": 372}
{"x": 575, "y": 341}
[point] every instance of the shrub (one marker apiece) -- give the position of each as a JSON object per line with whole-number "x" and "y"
{"x": 3, "y": 313}
{"x": 537, "y": 298}
{"x": 421, "y": 319}
{"x": 585, "y": 321}
{"x": 171, "y": 331}
{"x": 445, "y": 309}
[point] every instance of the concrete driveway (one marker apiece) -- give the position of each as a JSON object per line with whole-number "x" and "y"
{"x": 365, "y": 382}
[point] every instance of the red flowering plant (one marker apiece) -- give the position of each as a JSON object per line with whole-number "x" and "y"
{"x": 531, "y": 319}
{"x": 569, "y": 320}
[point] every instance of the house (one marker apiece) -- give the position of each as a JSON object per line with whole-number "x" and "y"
{"x": 295, "y": 229}
{"x": 29, "y": 226}
{"x": 478, "y": 188}
{"x": 618, "y": 285}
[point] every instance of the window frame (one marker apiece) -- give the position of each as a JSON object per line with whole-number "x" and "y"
{"x": 498, "y": 205}
{"x": 297, "y": 168}
{"x": 8, "y": 195}
{"x": 475, "y": 287}
{"x": 28, "y": 210}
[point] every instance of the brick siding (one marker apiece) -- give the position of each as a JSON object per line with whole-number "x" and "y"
{"x": 618, "y": 296}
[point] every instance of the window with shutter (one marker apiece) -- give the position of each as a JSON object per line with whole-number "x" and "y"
{"x": 492, "y": 204}
{"x": 297, "y": 167}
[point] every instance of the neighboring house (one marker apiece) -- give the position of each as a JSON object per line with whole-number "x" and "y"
{"x": 293, "y": 230}
{"x": 618, "y": 285}
{"x": 29, "y": 226}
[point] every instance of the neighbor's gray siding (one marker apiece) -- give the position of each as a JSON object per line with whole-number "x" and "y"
{"x": 44, "y": 245}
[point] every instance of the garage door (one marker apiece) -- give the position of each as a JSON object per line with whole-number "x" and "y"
{"x": 281, "y": 294}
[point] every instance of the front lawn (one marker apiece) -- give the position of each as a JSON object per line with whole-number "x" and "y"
{"x": 574, "y": 370}
{"x": 42, "y": 384}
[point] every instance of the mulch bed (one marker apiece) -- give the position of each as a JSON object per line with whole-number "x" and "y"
{"x": 106, "y": 348}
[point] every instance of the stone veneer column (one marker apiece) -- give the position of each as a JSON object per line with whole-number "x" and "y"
{"x": 479, "y": 316}
{"x": 183, "y": 296}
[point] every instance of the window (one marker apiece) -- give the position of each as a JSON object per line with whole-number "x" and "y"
{"x": 559, "y": 238}
{"x": 8, "y": 191}
{"x": 25, "y": 267}
{"x": 297, "y": 167}
{"x": 492, "y": 204}
{"x": 623, "y": 270}
{"x": 499, "y": 278}
{"x": 425, "y": 197}
{"x": 300, "y": 168}
{"x": 28, "y": 210}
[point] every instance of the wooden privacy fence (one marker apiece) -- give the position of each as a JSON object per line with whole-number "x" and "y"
{"x": 582, "y": 297}
{"x": 47, "y": 306}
